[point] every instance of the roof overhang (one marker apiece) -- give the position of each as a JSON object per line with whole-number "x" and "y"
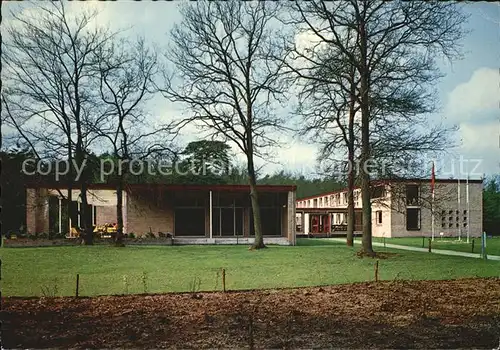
{"x": 171, "y": 187}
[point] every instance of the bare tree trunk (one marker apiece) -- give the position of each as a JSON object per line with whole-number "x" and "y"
{"x": 365, "y": 141}
{"x": 84, "y": 218}
{"x": 257, "y": 223}
{"x": 350, "y": 205}
{"x": 69, "y": 180}
{"x": 350, "y": 158}
{"x": 87, "y": 226}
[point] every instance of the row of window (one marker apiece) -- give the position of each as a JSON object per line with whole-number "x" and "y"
{"x": 412, "y": 197}
{"x": 328, "y": 201}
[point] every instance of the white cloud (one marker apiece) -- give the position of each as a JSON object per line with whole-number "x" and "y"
{"x": 474, "y": 107}
{"x": 474, "y": 99}
{"x": 480, "y": 143}
{"x": 295, "y": 156}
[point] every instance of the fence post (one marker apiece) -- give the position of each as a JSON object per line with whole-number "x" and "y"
{"x": 423, "y": 241}
{"x": 472, "y": 251}
{"x": 376, "y": 271}
{"x": 224, "y": 280}
{"x": 430, "y": 245}
{"x": 77, "y": 284}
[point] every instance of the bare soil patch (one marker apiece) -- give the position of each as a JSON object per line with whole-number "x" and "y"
{"x": 423, "y": 314}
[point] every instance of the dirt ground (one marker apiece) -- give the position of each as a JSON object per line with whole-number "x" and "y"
{"x": 427, "y": 314}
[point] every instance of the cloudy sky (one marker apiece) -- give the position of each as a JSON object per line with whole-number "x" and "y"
{"x": 469, "y": 93}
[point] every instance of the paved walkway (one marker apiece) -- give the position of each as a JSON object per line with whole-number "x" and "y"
{"x": 425, "y": 250}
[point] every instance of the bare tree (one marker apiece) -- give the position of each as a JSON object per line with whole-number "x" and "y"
{"x": 49, "y": 59}
{"x": 393, "y": 56}
{"x": 126, "y": 73}
{"x": 223, "y": 52}
{"x": 327, "y": 103}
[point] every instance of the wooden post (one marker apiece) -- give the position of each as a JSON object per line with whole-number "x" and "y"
{"x": 430, "y": 248}
{"x": 224, "y": 280}
{"x": 77, "y": 284}
{"x": 376, "y": 271}
{"x": 472, "y": 250}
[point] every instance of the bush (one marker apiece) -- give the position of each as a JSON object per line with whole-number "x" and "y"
{"x": 161, "y": 235}
{"x": 43, "y": 235}
{"x": 150, "y": 235}
{"x": 131, "y": 235}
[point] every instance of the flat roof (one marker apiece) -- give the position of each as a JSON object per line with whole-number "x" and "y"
{"x": 172, "y": 187}
{"x": 388, "y": 181}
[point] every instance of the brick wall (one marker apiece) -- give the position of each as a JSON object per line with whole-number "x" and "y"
{"x": 446, "y": 198}
{"x": 145, "y": 211}
{"x": 37, "y": 210}
{"x": 105, "y": 214}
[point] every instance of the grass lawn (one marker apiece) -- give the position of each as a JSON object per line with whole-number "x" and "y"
{"x": 110, "y": 270}
{"x": 492, "y": 244}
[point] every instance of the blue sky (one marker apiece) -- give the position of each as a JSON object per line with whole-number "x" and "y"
{"x": 470, "y": 91}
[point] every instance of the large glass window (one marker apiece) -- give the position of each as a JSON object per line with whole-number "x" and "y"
{"x": 271, "y": 221}
{"x": 413, "y": 219}
{"x": 189, "y": 222}
{"x": 412, "y": 195}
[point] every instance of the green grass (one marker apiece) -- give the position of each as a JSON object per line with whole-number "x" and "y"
{"x": 492, "y": 244}
{"x": 25, "y": 271}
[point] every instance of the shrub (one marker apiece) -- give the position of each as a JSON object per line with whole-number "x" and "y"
{"x": 150, "y": 235}
{"x": 43, "y": 235}
{"x": 131, "y": 235}
{"x": 50, "y": 290}
{"x": 161, "y": 235}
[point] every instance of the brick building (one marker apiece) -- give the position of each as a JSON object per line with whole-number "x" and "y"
{"x": 191, "y": 213}
{"x": 400, "y": 208}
